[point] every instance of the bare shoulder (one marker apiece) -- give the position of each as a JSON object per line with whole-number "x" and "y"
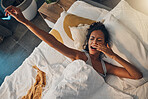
{"x": 81, "y": 55}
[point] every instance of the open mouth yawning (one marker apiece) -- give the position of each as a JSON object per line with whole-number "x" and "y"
{"x": 93, "y": 48}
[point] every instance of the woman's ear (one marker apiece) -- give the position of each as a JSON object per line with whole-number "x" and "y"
{"x": 102, "y": 21}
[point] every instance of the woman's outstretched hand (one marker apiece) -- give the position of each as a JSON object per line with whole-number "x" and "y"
{"x": 106, "y": 50}
{"x": 16, "y": 13}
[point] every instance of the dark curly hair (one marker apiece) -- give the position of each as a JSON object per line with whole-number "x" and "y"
{"x": 97, "y": 26}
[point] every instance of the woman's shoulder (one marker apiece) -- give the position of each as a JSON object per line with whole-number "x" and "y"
{"x": 82, "y": 55}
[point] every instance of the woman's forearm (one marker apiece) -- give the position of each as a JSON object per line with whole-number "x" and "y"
{"x": 40, "y": 33}
{"x": 132, "y": 70}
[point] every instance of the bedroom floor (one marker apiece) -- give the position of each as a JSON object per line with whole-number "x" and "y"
{"x": 16, "y": 48}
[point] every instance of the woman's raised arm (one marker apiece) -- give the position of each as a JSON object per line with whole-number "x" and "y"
{"x": 129, "y": 71}
{"x": 48, "y": 38}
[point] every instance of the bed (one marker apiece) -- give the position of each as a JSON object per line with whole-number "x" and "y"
{"x": 76, "y": 80}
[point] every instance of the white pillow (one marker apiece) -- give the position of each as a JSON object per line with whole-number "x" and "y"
{"x": 83, "y": 9}
{"x": 79, "y": 35}
{"x": 127, "y": 45}
{"x": 133, "y": 19}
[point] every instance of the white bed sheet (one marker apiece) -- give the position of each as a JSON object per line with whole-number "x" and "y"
{"x": 141, "y": 92}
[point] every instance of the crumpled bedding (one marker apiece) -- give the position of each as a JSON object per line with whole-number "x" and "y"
{"x": 75, "y": 81}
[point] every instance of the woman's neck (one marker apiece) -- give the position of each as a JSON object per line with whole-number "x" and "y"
{"x": 95, "y": 56}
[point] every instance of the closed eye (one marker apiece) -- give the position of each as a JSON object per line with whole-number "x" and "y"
{"x": 92, "y": 38}
{"x": 99, "y": 40}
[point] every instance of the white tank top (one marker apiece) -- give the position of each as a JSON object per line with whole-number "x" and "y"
{"x": 90, "y": 63}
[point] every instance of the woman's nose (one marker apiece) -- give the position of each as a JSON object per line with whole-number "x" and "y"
{"x": 95, "y": 41}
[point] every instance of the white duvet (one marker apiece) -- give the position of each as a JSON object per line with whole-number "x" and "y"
{"x": 74, "y": 81}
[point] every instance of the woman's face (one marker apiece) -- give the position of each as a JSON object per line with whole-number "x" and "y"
{"x": 96, "y": 38}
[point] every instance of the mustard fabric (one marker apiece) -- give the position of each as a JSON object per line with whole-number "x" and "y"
{"x": 35, "y": 92}
{"x": 57, "y": 35}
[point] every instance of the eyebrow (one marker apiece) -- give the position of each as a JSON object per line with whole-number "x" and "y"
{"x": 97, "y": 38}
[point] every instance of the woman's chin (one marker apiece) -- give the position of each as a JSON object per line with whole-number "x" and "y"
{"x": 93, "y": 52}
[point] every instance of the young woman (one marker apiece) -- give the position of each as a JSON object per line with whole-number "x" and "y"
{"x": 97, "y": 43}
